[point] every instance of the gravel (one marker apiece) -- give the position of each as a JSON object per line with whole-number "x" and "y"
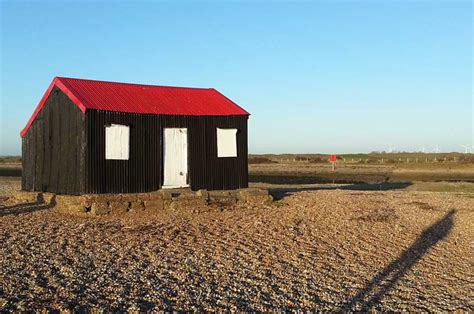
{"x": 326, "y": 250}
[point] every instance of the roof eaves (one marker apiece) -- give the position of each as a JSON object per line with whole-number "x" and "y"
{"x": 56, "y": 82}
{"x": 230, "y": 101}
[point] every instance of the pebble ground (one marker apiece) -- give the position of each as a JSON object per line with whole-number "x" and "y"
{"x": 313, "y": 250}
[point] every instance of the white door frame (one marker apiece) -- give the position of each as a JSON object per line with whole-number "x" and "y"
{"x": 175, "y": 158}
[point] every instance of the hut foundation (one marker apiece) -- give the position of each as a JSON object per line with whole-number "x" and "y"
{"x": 179, "y": 199}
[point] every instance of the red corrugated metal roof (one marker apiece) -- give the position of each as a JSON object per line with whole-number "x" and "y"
{"x": 138, "y": 98}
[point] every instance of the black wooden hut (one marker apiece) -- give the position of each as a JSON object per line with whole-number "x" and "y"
{"x": 89, "y": 136}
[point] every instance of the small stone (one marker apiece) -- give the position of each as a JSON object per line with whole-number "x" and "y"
{"x": 100, "y": 208}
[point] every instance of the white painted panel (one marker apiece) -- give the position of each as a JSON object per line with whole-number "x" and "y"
{"x": 117, "y": 142}
{"x": 175, "y": 150}
{"x": 226, "y": 142}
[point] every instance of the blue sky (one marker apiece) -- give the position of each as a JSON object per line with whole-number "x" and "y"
{"x": 316, "y": 76}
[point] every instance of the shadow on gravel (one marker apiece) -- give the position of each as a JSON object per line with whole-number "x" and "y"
{"x": 388, "y": 277}
{"x": 10, "y": 172}
{"x": 279, "y": 193}
{"x": 338, "y": 178}
{"x": 26, "y": 208}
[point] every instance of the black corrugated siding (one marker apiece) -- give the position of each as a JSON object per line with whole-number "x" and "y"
{"x": 64, "y": 151}
{"x": 53, "y": 148}
{"x": 143, "y": 171}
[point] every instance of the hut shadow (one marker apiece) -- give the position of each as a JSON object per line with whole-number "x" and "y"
{"x": 386, "y": 279}
{"x": 320, "y": 178}
{"x": 25, "y": 208}
{"x": 280, "y": 193}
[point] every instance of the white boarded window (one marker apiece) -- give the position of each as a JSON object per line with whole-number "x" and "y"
{"x": 117, "y": 141}
{"x": 226, "y": 142}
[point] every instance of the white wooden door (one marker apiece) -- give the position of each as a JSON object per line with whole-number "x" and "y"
{"x": 175, "y": 155}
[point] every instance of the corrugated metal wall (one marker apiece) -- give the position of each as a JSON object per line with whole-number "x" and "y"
{"x": 143, "y": 171}
{"x": 53, "y": 148}
{"x": 64, "y": 151}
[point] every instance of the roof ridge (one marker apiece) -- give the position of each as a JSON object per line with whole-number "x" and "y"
{"x": 89, "y": 94}
{"x": 134, "y": 84}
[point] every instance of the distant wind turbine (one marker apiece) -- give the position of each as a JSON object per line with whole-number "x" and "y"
{"x": 467, "y": 149}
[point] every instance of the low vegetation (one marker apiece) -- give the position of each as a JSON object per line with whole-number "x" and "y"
{"x": 362, "y": 168}
{"x": 10, "y": 160}
{"x": 372, "y": 158}
{"x": 261, "y": 160}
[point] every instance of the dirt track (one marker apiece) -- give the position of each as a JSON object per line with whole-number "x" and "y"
{"x": 324, "y": 250}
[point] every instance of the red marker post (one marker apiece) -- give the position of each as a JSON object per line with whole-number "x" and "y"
{"x": 332, "y": 159}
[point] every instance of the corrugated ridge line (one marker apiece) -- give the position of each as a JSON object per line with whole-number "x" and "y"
{"x": 135, "y": 98}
